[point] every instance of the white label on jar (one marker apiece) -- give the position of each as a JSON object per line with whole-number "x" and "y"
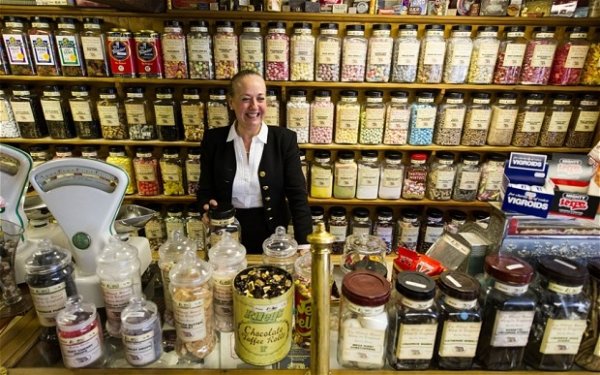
{"x": 368, "y": 176}
{"x": 597, "y": 349}
{"x": 562, "y": 336}
{"x": 494, "y": 180}
{"x": 22, "y": 111}
{"x": 92, "y": 47}
{"x": 41, "y": 47}
{"x": 392, "y": 178}
{"x": 416, "y": 341}
{"x": 504, "y": 118}
{"x": 425, "y": 118}
{"x": 145, "y": 172}
{"x": 276, "y": 50}
{"x": 362, "y": 345}
{"x": 135, "y": 114}
{"x": 354, "y": 53}
{"x": 81, "y": 111}
{"x": 272, "y": 116}
{"x": 408, "y": 53}
{"x": 349, "y": 118}
{"x": 398, "y": 119}
{"x": 409, "y": 234}
{"x": 576, "y": 57}
{"x": 52, "y": 110}
{"x": 82, "y": 350}
{"x": 461, "y": 54}
{"x": 303, "y": 52}
{"x": 68, "y": 50}
{"x": 459, "y": 339}
{"x": 170, "y": 172}
{"x": 385, "y": 233}
{"x": 192, "y": 115}
{"x": 174, "y": 49}
{"x": 532, "y": 123}
{"x": 139, "y": 349}
{"x": 514, "y": 54}
{"x": 199, "y": 49}
{"x": 339, "y": 232}
{"x": 218, "y": 116}
{"x": 469, "y": 180}
{"x": 345, "y": 175}
{"x": 487, "y": 54}
{"x": 543, "y": 55}
{"x": 374, "y": 118}
{"x": 251, "y": 51}
{"x": 192, "y": 171}
{"x": 116, "y": 296}
{"x": 165, "y": 115}
{"x": 195, "y": 230}
{"x": 444, "y": 180}
{"x": 16, "y": 49}
{"x": 321, "y": 177}
{"x": 359, "y": 231}
{"x": 154, "y": 230}
{"x": 511, "y": 328}
{"x": 322, "y": 117}
{"x": 480, "y": 119}
{"x": 433, "y": 233}
{"x": 223, "y": 295}
{"x": 298, "y": 118}
{"x": 434, "y": 53}
{"x": 109, "y": 115}
{"x": 380, "y": 51}
{"x": 586, "y": 122}
{"x": 559, "y": 122}
{"x": 48, "y": 302}
{"x": 190, "y": 322}
{"x": 4, "y": 110}
{"x": 329, "y": 52}
{"x": 454, "y": 118}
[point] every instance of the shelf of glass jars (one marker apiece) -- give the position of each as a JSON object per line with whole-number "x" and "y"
{"x": 99, "y": 141}
{"x": 394, "y": 202}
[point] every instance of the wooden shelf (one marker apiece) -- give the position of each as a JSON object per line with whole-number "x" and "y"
{"x": 100, "y": 142}
{"x": 394, "y": 202}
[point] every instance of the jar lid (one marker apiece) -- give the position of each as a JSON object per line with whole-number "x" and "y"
{"x": 164, "y": 90}
{"x": 345, "y": 154}
{"x": 15, "y": 19}
{"x": 51, "y": 88}
{"x": 481, "y": 95}
{"x": 92, "y": 20}
{"x": 63, "y": 148}
{"x": 134, "y": 90}
{"x": 280, "y": 244}
{"x": 415, "y": 285}
{"x": 470, "y": 156}
{"x": 190, "y": 91}
{"x": 382, "y": 26}
{"x": 38, "y": 148}
{"x": 115, "y": 148}
{"x": 561, "y": 96}
{"x": 399, "y": 94}
{"x": 508, "y": 268}
{"x": 68, "y": 20}
{"x": 360, "y": 212}
{"x": 369, "y": 153}
{"x": 594, "y": 268}
{"x": 322, "y": 154}
{"x": 252, "y": 24}
{"x": 418, "y": 156}
{"x": 337, "y": 211}
{"x": 217, "y": 91}
{"x": 589, "y": 97}
{"x": 198, "y": 23}
{"x": 175, "y": 208}
{"x": 445, "y": 155}
{"x": 41, "y": 19}
{"x": 544, "y": 29}
{"x": 48, "y": 258}
{"x": 194, "y": 151}
{"x": 227, "y": 252}
{"x": 323, "y": 93}
{"x": 190, "y": 271}
{"x": 302, "y": 25}
{"x": 385, "y": 212}
{"x": 487, "y": 29}
{"x": 457, "y": 215}
{"x": 328, "y": 26}
{"x": 454, "y": 95}
{"x": 562, "y": 270}
{"x": 271, "y": 92}
{"x": 409, "y": 213}
{"x": 316, "y": 211}
{"x": 172, "y": 23}
{"x": 434, "y": 213}
{"x": 366, "y": 288}
{"x": 393, "y": 155}
{"x": 171, "y": 151}
{"x": 374, "y": 94}
{"x": 224, "y": 23}
{"x": 297, "y": 92}
{"x": 479, "y": 215}
{"x": 534, "y": 96}
{"x": 425, "y": 95}
{"x": 143, "y": 149}
{"x": 276, "y": 25}
{"x": 222, "y": 211}
{"x": 507, "y": 95}
{"x": 355, "y": 27}
{"x": 494, "y": 156}
{"x": 89, "y": 148}
{"x": 351, "y": 93}
{"x": 107, "y": 90}
{"x": 577, "y": 29}
{"x": 462, "y": 28}
{"x": 408, "y": 27}
{"x": 459, "y": 285}
{"x": 515, "y": 29}
{"x": 434, "y": 27}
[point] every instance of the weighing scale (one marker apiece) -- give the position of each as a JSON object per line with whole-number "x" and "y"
{"x": 84, "y": 196}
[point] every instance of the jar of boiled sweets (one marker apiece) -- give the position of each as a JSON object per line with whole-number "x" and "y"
{"x": 556, "y": 121}
{"x": 321, "y": 118}
{"x": 510, "y": 56}
{"x": 347, "y": 118}
{"x": 485, "y": 53}
{"x": 468, "y": 174}
{"x": 251, "y": 48}
{"x": 344, "y": 171}
{"x": 364, "y": 252}
{"x": 460, "y": 320}
{"x": 529, "y": 121}
{"x": 440, "y": 178}
{"x": 413, "y": 322}
{"x": 561, "y": 314}
{"x": 372, "y": 118}
{"x": 585, "y": 120}
{"x": 146, "y": 172}
{"x": 321, "y": 175}
{"x": 338, "y": 227}
{"x": 588, "y": 355}
{"x": 328, "y": 53}
{"x": 174, "y": 221}
{"x": 431, "y": 229}
{"x": 200, "y": 51}
{"x": 450, "y": 120}
{"x": 422, "y": 119}
{"x": 192, "y": 170}
{"x": 456, "y": 219}
{"x": 354, "y": 54}
{"x": 93, "y": 44}
{"x": 43, "y": 47}
{"x": 280, "y": 250}
{"x": 591, "y": 67}
{"x": 225, "y": 44}
{"x": 272, "y": 115}
{"x": 18, "y": 50}
{"x": 70, "y": 52}
{"x": 192, "y": 115}
{"x": 406, "y": 54}
{"x": 504, "y": 119}
{"x": 141, "y": 332}
{"x": 415, "y": 177}
{"x": 492, "y": 174}
{"x": 277, "y": 50}
{"x": 174, "y": 50}
{"x": 172, "y": 172}
{"x": 302, "y": 53}
{"x": 379, "y": 58}
{"x": 83, "y": 111}
{"x": 407, "y": 229}
{"x": 383, "y": 226}
{"x": 363, "y": 321}
{"x": 118, "y": 157}
{"x": 570, "y": 56}
{"x": 8, "y": 124}
{"x": 431, "y": 58}
{"x": 156, "y": 232}
{"x": 222, "y": 219}
{"x": 56, "y": 113}
{"x": 477, "y": 120}
{"x": 28, "y": 112}
{"x": 217, "y": 111}
{"x": 539, "y": 55}
{"x": 367, "y": 180}
{"x": 298, "y": 115}
{"x": 111, "y": 114}
{"x": 458, "y": 54}
{"x": 391, "y": 176}
{"x": 139, "y": 115}
{"x": 508, "y": 311}
{"x": 397, "y": 119}
{"x": 166, "y": 113}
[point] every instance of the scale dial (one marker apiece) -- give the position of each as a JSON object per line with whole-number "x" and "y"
{"x": 57, "y": 177}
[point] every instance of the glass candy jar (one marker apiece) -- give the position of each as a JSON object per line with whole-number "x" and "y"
{"x": 415, "y": 177}
{"x": 222, "y": 218}
{"x": 146, "y": 170}
{"x": 485, "y": 53}
{"x": 298, "y": 115}
{"x": 328, "y": 53}
{"x": 8, "y": 124}
{"x": 139, "y": 115}
{"x": 529, "y": 121}
{"x": 83, "y": 111}
{"x": 118, "y": 157}
{"x": 477, "y": 120}
{"x": 172, "y": 172}
{"x": 556, "y": 121}
{"x": 511, "y": 53}
{"x": 368, "y": 173}
{"x": 441, "y": 177}
{"x": 372, "y": 118}
{"x": 397, "y": 119}
{"x": 569, "y": 57}
{"x": 458, "y": 54}
{"x": 277, "y": 50}
{"x": 68, "y": 42}
{"x": 43, "y": 47}
{"x": 280, "y": 250}
{"x": 468, "y": 174}
{"x": 379, "y": 58}
{"x": 345, "y": 170}
{"x": 338, "y": 227}
{"x": 431, "y": 58}
{"x": 364, "y": 252}
{"x": 302, "y": 53}
{"x": 111, "y": 114}
{"x": 539, "y": 55}
{"x": 450, "y": 120}
{"x": 251, "y": 48}
{"x": 321, "y": 175}
{"x": 504, "y": 119}
{"x": 347, "y": 118}
{"x": 431, "y": 229}
{"x": 422, "y": 119}
{"x": 321, "y": 118}
{"x": 192, "y": 115}
{"x": 217, "y": 110}
{"x": 588, "y": 356}
{"x": 354, "y": 54}
{"x": 18, "y": 50}
{"x": 56, "y": 113}
{"x": 585, "y": 121}
{"x": 166, "y": 114}
{"x": 492, "y": 173}
{"x": 174, "y": 50}
{"x": 407, "y": 229}
{"x": 406, "y": 54}
{"x": 141, "y": 332}
{"x": 361, "y": 222}
{"x": 225, "y": 45}
{"x": 391, "y": 176}
{"x": 93, "y": 44}
{"x": 200, "y": 51}
{"x": 28, "y": 113}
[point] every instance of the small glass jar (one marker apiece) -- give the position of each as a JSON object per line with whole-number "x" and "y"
{"x": 372, "y": 118}
{"x": 585, "y": 120}
{"x": 539, "y": 55}
{"x": 155, "y": 231}
{"x": 89, "y": 152}
{"x": 192, "y": 115}
{"x": 196, "y": 231}
{"x": 344, "y": 171}
{"x": 272, "y": 115}
{"x": 391, "y": 176}
{"x": 166, "y": 113}
{"x": 118, "y": 157}
{"x": 8, "y": 124}
{"x": 368, "y": 173}
{"x": 431, "y": 229}
{"x": 70, "y": 52}
{"x": 28, "y": 112}
{"x": 456, "y": 219}
{"x": 328, "y": 53}
{"x": 338, "y": 227}
{"x": 415, "y": 177}
{"x": 172, "y": 172}
{"x": 363, "y": 321}
{"x": 431, "y": 58}
{"x": 556, "y": 121}
{"x": 569, "y": 57}
{"x": 413, "y": 322}
{"x": 93, "y": 44}
{"x": 440, "y": 178}
{"x": 364, "y": 252}
{"x": 302, "y": 53}
{"x": 222, "y": 218}
{"x": 492, "y": 174}
{"x": 460, "y": 320}
{"x": 422, "y": 119}
{"x": 317, "y": 215}
{"x": 588, "y": 356}
{"x": 225, "y": 44}
{"x": 360, "y": 223}
{"x": 321, "y": 118}
{"x": 354, "y": 54}
{"x": 379, "y": 58}
{"x": 277, "y": 51}
{"x": 477, "y": 120}
{"x": 347, "y": 118}
{"x": 397, "y": 119}
{"x": 18, "y": 51}
{"x": 458, "y": 54}
{"x": 200, "y": 51}
{"x": 39, "y": 155}
{"x": 481, "y": 218}
{"x": 43, "y": 47}
{"x": 111, "y": 114}
{"x": 508, "y": 311}
{"x": 63, "y": 151}
{"x": 529, "y": 121}
{"x": 251, "y": 48}
{"x": 217, "y": 111}
{"x": 174, "y": 50}
{"x": 321, "y": 175}
{"x": 383, "y": 226}
{"x": 504, "y": 119}
{"x": 146, "y": 172}
{"x": 406, "y": 54}
{"x": 298, "y": 115}
{"x": 56, "y": 113}
{"x": 83, "y": 111}
{"x": 174, "y": 221}
{"x": 591, "y": 67}
{"x": 468, "y": 175}
{"x": 280, "y": 250}
{"x": 510, "y": 56}
{"x": 485, "y": 53}
{"x": 450, "y": 120}
{"x": 141, "y": 332}
{"x": 561, "y": 314}
{"x": 139, "y": 115}
{"x": 192, "y": 170}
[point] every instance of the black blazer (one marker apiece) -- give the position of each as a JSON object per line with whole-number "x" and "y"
{"x": 279, "y": 173}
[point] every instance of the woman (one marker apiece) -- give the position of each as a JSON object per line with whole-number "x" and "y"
{"x": 254, "y": 167}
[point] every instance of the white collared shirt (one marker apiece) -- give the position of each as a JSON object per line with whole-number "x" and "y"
{"x": 246, "y": 187}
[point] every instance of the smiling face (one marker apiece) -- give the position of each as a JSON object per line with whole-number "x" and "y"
{"x": 248, "y": 101}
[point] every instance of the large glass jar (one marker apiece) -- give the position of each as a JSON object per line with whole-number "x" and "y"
{"x": 364, "y": 252}
{"x": 280, "y": 250}
{"x": 379, "y": 58}
{"x": 585, "y": 120}
{"x": 539, "y": 55}
{"x": 83, "y": 111}
{"x": 156, "y": 232}
{"x": 251, "y": 48}
{"x": 146, "y": 172}
{"x": 321, "y": 118}
{"x": 225, "y": 44}
{"x": 28, "y": 112}
{"x": 192, "y": 170}
{"x": 588, "y": 356}
{"x": 272, "y": 115}
{"x": 422, "y": 119}
{"x": 591, "y": 67}
{"x": 450, "y": 120}
{"x": 441, "y": 177}
{"x": 431, "y": 58}
{"x": 477, "y": 120}
{"x": 174, "y": 221}
{"x": 195, "y": 230}
{"x": 504, "y": 119}
{"x": 392, "y": 175}
{"x": 277, "y": 51}
{"x": 529, "y": 121}
{"x": 302, "y": 53}
{"x": 192, "y": 115}
{"x": 328, "y": 53}
{"x": 431, "y": 229}
{"x": 298, "y": 115}
{"x": 43, "y": 47}
{"x": 406, "y": 54}
{"x": 492, "y": 173}
{"x": 468, "y": 174}
{"x": 70, "y": 52}
{"x": 361, "y": 222}
{"x": 407, "y": 229}
{"x": 93, "y": 44}
{"x": 556, "y": 121}
{"x": 347, "y": 118}
{"x": 56, "y": 113}
{"x": 200, "y": 51}
{"x": 118, "y": 157}
{"x": 510, "y": 56}
{"x": 18, "y": 51}
{"x": 174, "y": 50}
{"x": 139, "y": 115}
{"x": 321, "y": 175}
{"x": 458, "y": 54}
{"x": 397, "y": 119}
{"x": 367, "y": 180}
{"x": 166, "y": 113}
{"x": 141, "y": 332}
{"x": 111, "y": 114}
{"x": 4, "y": 67}
{"x": 415, "y": 177}
{"x": 222, "y": 219}
{"x": 354, "y": 54}
{"x": 8, "y": 124}
{"x": 569, "y": 57}
{"x": 217, "y": 110}
{"x": 345, "y": 169}
{"x": 338, "y": 227}
{"x": 494, "y": 8}
{"x": 485, "y": 53}
{"x": 172, "y": 172}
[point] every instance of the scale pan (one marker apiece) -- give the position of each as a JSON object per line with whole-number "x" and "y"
{"x": 132, "y": 216}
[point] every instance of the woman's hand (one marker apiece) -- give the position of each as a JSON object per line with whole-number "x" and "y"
{"x": 211, "y": 204}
